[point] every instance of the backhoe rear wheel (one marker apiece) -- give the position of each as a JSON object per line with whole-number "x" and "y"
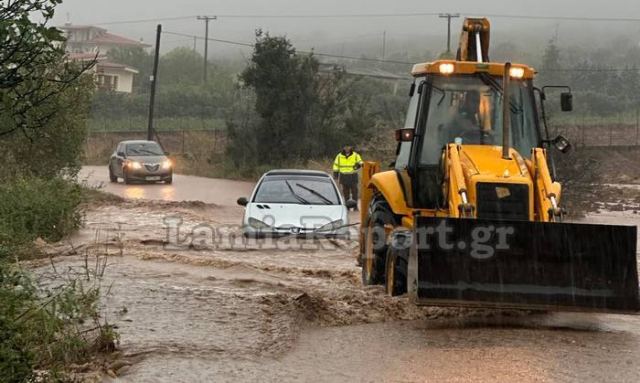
{"x": 380, "y": 220}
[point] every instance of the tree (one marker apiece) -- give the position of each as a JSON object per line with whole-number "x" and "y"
{"x": 32, "y": 68}
{"x": 551, "y": 63}
{"x": 285, "y": 87}
{"x": 43, "y": 98}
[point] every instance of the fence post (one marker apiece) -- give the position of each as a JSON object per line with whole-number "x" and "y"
{"x": 610, "y": 133}
{"x": 182, "y": 140}
{"x": 637, "y": 127}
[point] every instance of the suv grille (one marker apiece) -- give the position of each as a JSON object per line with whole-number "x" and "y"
{"x": 503, "y": 201}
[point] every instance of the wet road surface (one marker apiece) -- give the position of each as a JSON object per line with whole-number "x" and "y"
{"x": 298, "y": 312}
{"x": 184, "y": 188}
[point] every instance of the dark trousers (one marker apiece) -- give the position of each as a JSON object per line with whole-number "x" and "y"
{"x": 349, "y": 183}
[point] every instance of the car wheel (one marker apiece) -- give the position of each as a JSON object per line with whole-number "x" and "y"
{"x": 169, "y": 180}
{"x": 112, "y": 177}
{"x": 375, "y": 243}
{"x": 126, "y": 178}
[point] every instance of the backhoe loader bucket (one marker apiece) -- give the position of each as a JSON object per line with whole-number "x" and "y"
{"x": 530, "y": 265}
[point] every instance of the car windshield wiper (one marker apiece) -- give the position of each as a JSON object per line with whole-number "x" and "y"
{"x": 298, "y": 197}
{"x": 315, "y": 193}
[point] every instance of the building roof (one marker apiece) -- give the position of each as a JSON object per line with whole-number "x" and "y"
{"x": 112, "y": 65}
{"x": 86, "y": 56}
{"x": 69, "y": 27}
{"x": 110, "y": 38}
{"x": 101, "y": 61}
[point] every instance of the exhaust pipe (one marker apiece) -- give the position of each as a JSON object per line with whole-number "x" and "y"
{"x": 506, "y": 111}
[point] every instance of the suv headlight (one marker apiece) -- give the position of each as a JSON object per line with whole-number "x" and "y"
{"x": 166, "y": 164}
{"x": 257, "y": 224}
{"x": 331, "y": 226}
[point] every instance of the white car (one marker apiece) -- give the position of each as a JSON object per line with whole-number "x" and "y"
{"x": 295, "y": 202}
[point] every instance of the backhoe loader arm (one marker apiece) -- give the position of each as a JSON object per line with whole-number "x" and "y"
{"x": 459, "y": 205}
{"x": 474, "y": 39}
{"x": 547, "y": 191}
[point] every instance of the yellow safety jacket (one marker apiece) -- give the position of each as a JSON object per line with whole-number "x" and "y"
{"x": 347, "y": 164}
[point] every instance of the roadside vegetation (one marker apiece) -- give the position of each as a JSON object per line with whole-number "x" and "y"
{"x": 44, "y": 103}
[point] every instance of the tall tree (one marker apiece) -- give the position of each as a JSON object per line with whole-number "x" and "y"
{"x": 285, "y": 87}
{"x": 43, "y": 98}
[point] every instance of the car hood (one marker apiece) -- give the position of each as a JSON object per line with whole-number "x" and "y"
{"x": 148, "y": 159}
{"x": 294, "y": 215}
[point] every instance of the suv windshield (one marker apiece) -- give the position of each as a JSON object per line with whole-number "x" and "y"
{"x": 469, "y": 109}
{"x": 144, "y": 149}
{"x": 297, "y": 190}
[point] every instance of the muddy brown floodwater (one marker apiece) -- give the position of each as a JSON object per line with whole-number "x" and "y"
{"x": 216, "y": 310}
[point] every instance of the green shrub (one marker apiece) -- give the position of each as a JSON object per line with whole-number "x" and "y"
{"x": 47, "y": 329}
{"x": 32, "y": 208}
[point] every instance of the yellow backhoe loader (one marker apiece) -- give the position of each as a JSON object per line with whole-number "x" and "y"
{"x": 471, "y": 215}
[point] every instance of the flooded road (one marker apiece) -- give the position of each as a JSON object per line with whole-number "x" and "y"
{"x": 184, "y": 188}
{"x": 208, "y": 310}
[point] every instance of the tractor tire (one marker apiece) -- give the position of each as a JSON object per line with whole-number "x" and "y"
{"x": 375, "y": 243}
{"x": 396, "y": 271}
{"x": 112, "y": 177}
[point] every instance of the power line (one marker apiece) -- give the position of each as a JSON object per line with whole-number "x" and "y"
{"x": 251, "y": 45}
{"x": 377, "y": 15}
{"x": 142, "y": 21}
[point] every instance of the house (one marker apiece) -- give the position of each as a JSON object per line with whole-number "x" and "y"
{"x": 87, "y": 38}
{"x": 109, "y": 76}
{"x": 85, "y": 43}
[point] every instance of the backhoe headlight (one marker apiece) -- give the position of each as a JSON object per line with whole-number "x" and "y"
{"x": 135, "y": 165}
{"x": 516, "y": 72}
{"x": 447, "y": 68}
{"x": 166, "y": 164}
{"x": 332, "y": 226}
{"x": 257, "y": 224}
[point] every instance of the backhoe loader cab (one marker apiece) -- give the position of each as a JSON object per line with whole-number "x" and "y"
{"x": 471, "y": 215}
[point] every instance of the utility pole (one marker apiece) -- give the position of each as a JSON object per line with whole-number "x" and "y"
{"x": 154, "y": 82}
{"x": 449, "y": 16}
{"x": 206, "y": 20}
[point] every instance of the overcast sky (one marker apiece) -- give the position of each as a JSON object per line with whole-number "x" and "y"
{"x": 324, "y": 32}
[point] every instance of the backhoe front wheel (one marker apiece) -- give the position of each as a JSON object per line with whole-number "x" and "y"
{"x": 380, "y": 222}
{"x": 395, "y": 282}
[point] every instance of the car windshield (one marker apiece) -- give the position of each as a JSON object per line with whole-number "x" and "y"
{"x": 469, "y": 109}
{"x": 144, "y": 149}
{"x": 297, "y": 190}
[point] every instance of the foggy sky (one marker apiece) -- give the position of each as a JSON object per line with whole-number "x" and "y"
{"x": 331, "y": 33}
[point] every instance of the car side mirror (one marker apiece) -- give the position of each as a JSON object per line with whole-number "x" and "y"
{"x": 404, "y": 135}
{"x": 566, "y": 102}
{"x": 351, "y": 204}
{"x": 121, "y": 154}
{"x": 167, "y": 153}
{"x": 562, "y": 144}
{"x": 242, "y": 201}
